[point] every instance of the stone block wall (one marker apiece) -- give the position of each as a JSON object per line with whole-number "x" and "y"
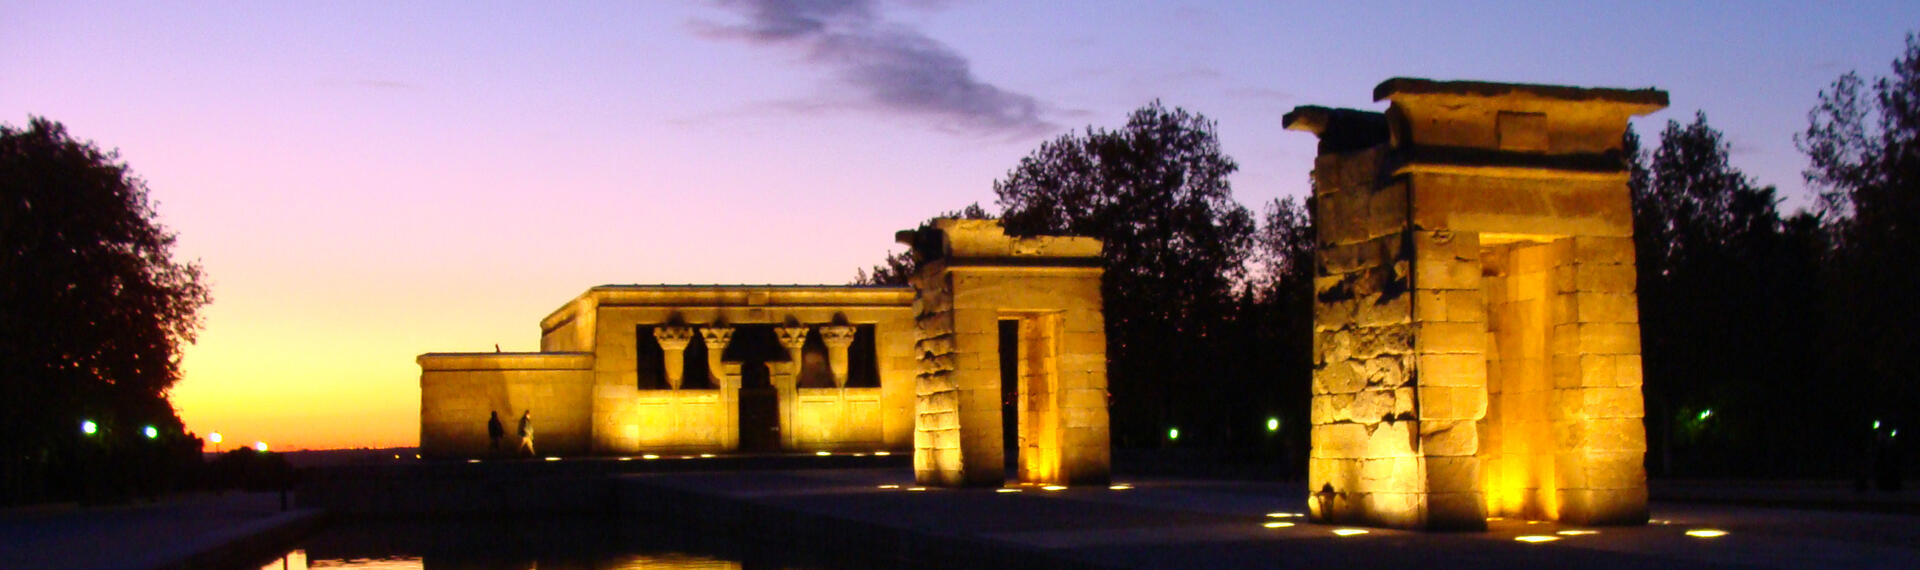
{"x": 838, "y": 419}
{"x": 458, "y": 390}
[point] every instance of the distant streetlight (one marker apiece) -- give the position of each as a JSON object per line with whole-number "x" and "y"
{"x": 1173, "y": 434}
{"x": 213, "y": 437}
{"x": 150, "y": 432}
{"x": 90, "y": 428}
{"x": 260, "y": 446}
{"x": 1706, "y": 413}
{"x": 1273, "y": 424}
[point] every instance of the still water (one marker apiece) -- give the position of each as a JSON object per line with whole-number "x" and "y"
{"x": 541, "y": 542}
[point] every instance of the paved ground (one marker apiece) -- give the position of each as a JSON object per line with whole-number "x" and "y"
{"x": 1174, "y": 523}
{"x": 173, "y": 531}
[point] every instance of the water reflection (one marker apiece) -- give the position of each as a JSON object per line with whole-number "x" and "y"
{"x": 521, "y": 544}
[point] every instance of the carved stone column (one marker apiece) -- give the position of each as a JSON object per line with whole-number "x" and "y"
{"x": 838, "y": 338}
{"x": 717, "y": 339}
{"x": 673, "y": 345}
{"x": 795, "y": 340}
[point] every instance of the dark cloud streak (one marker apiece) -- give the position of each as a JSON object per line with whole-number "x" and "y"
{"x": 892, "y": 66}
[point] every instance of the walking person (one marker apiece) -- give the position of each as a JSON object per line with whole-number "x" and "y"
{"x": 526, "y": 433}
{"x": 495, "y": 431}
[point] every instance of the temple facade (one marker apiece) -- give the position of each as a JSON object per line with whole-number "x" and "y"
{"x": 1476, "y": 332}
{"x": 995, "y": 328}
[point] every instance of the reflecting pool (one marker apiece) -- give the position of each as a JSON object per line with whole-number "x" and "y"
{"x": 536, "y": 542}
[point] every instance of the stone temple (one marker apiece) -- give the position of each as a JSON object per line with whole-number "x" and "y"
{"x": 995, "y": 356}
{"x": 1476, "y": 346}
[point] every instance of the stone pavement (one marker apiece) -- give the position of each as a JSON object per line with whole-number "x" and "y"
{"x": 192, "y": 530}
{"x": 1175, "y": 523}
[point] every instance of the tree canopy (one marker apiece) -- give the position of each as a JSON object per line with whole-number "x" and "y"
{"x": 1863, "y": 140}
{"x": 96, "y": 309}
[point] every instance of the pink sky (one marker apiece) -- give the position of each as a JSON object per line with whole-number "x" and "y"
{"x": 365, "y": 182}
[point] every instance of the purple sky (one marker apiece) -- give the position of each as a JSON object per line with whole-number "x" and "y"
{"x": 368, "y": 181}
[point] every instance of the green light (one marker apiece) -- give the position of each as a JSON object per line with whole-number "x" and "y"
{"x": 1876, "y": 425}
{"x": 89, "y": 428}
{"x": 1173, "y": 434}
{"x": 150, "y": 432}
{"x": 1273, "y": 424}
{"x": 1706, "y": 413}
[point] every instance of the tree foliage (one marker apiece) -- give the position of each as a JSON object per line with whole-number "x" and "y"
{"x": 1156, "y": 192}
{"x": 1863, "y": 142}
{"x": 95, "y": 309}
{"x": 1727, "y": 291}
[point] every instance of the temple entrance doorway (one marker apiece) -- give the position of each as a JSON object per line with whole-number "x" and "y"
{"x": 753, "y": 347}
{"x": 1010, "y": 395}
{"x": 1030, "y": 396}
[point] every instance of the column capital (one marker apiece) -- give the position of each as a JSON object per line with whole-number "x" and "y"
{"x": 673, "y": 338}
{"x": 837, "y": 336}
{"x": 716, "y": 337}
{"x": 791, "y": 337}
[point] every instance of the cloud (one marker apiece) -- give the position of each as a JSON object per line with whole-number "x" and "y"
{"x": 888, "y": 65}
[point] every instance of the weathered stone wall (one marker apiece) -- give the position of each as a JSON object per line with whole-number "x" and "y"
{"x": 1364, "y": 464}
{"x": 1476, "y": 340}
{"x": 458, "y": 390}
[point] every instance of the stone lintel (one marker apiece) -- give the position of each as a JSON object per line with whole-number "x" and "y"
{"x": 986, "y": 242}
{"x": 1647, "y": 100}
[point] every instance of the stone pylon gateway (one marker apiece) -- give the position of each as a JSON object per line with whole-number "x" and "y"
{"x": 1476, "y": 331}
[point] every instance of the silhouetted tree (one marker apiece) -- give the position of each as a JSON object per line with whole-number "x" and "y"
{"x": 1176, "y": 243}
{"x": 1727, "y": 294}
{"x": 899, "y": 266}
{"x": 95, "y": 311}
{"x": 1864, "y": 145}
{"x": 1274, "y": 338}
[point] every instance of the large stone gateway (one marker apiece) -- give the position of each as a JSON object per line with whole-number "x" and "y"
{"x": 1476, "y": 346}
{"x": 978, "y": 291}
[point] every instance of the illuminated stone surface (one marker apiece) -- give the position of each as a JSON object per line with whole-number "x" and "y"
{"x": 585, "y": 388}
{"x": 973, "y": 276}
{"x": 615, "y": 377}
{"x": 1476, "y": 337}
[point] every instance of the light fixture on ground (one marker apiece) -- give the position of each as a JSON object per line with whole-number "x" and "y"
{"x": 1349, "y": 531}
{"x": 1277, "y": 524}
{"x": 1536, "y": 538}
{"x": 1706, "y": 533}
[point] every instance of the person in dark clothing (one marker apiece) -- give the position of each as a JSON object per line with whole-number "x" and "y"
{"x": 495, "y": 430}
